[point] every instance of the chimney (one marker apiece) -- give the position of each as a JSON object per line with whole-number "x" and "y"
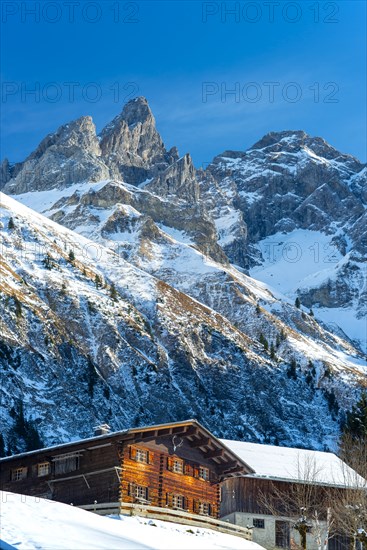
{"x": 102, "y": 429}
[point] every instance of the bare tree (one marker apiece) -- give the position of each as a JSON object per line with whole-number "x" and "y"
{"x": 304, "y": 501}
{"x": 350, "y": 504}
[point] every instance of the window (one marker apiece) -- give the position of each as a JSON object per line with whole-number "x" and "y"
{"x": 178, "y": 501}
{"x": 259, "y": 523}
{"x": 204, "y": 509}
{"x": 43, "y": 469}
{"x": 141, "y": 492}
{"x": 141, "y": 455}
{"x": 177, "y": 466}
{"x": 66, "y": 463}
{"x": 204, "y": 473}
{"x": 18, "y": 474}
{"x": 282, "y": 534}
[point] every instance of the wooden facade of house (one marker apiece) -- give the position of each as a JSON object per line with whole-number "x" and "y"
{"x": 178, "y": 466}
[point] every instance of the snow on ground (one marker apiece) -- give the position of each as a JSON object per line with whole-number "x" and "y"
{"x": 29, "y": 523}
{"x": 301, "y": 258}
{"x": 93, "y": 255}
{"x": 345, "y": 318}
{"x": 304, "y": 259}
{"x": 41, "y": 201}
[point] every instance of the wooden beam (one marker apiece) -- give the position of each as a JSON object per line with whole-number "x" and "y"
{"x": 214, "y": 453}
{"x": 202, "y": 442}
{"x": 188, "y": 430}
{"x": 227, "y": 466}
{"x": 164, "y": 431}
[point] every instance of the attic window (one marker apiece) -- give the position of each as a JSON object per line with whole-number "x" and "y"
{"x": 204, "y": 473}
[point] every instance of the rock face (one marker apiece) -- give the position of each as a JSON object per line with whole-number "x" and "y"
{"x": 70, "y": 155}
{"x": 287, "y": 182}
{"x": 75, "y": 353}
{"x": 131, "y": 145}
{"x": 191, "y": 334}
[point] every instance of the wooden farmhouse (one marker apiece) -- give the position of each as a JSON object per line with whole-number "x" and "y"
{"x": 177, "y": 467}
{"x": 282, "y": 479}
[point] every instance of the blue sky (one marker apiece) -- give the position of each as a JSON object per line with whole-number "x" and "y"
{"x": 290, "y": 65}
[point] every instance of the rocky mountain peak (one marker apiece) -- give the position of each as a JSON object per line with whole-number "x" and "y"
{"x": 132, "y": 146}
{"x": 77, "y": 133}
{"x": 285, "y": 136}
{"x": 67, "y": 156}
{"x": 137, "y": 110}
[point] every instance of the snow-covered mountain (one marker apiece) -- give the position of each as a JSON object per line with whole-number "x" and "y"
{"x": 206, "y": 267}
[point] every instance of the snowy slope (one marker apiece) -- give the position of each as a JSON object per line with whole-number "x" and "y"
{"x": 31, "y": 523}
{"x": 188, "y": 332}
{"x": 117, "y": 356}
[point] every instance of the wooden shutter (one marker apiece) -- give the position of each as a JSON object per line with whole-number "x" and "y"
{"x": 187, "y": 469}
{"x": 196, "y": 472}
{"x": 169, "y": 463}
{"x": 132, "y": 452}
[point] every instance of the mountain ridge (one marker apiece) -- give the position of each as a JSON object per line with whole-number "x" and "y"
{"x": 210, "y": 313}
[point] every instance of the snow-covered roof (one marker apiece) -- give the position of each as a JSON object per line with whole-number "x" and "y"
{"x": 292, "y": 464}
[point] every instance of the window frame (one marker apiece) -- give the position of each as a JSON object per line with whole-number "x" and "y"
{"x": 202, "y": 507}
{"x": 204, "y": 470}
{"x": 175, "y": 501}
{"x": 141, "y": 492}
{"x": 258, "y": 520}
{"x": 145, "y": 454}
{"x": 18, "y": 474}
{"x": 178, "y": 466}
{"x": 41, "y": 466}
{"x": 66, "y": 464}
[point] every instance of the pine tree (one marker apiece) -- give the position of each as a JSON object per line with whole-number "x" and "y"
{"x": 311, "y": 313}
{"x": 18, "y": 307}
{"x": 272, "y": 351}
{"x": 71, "y": 256}
{"x": 297, "y": 303}
{"x": 356, "y": 422}
{"x": 292, "y": 369}
{"x": 113, "y": 292}
{"x": 25, "y": 429}
{"x": 11, "y": 224}
{"x": 263, "y": 341}
{"x": 47, "y": 261}
{"x": 97, "y": 281}
{"x": 258, "y": 308}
